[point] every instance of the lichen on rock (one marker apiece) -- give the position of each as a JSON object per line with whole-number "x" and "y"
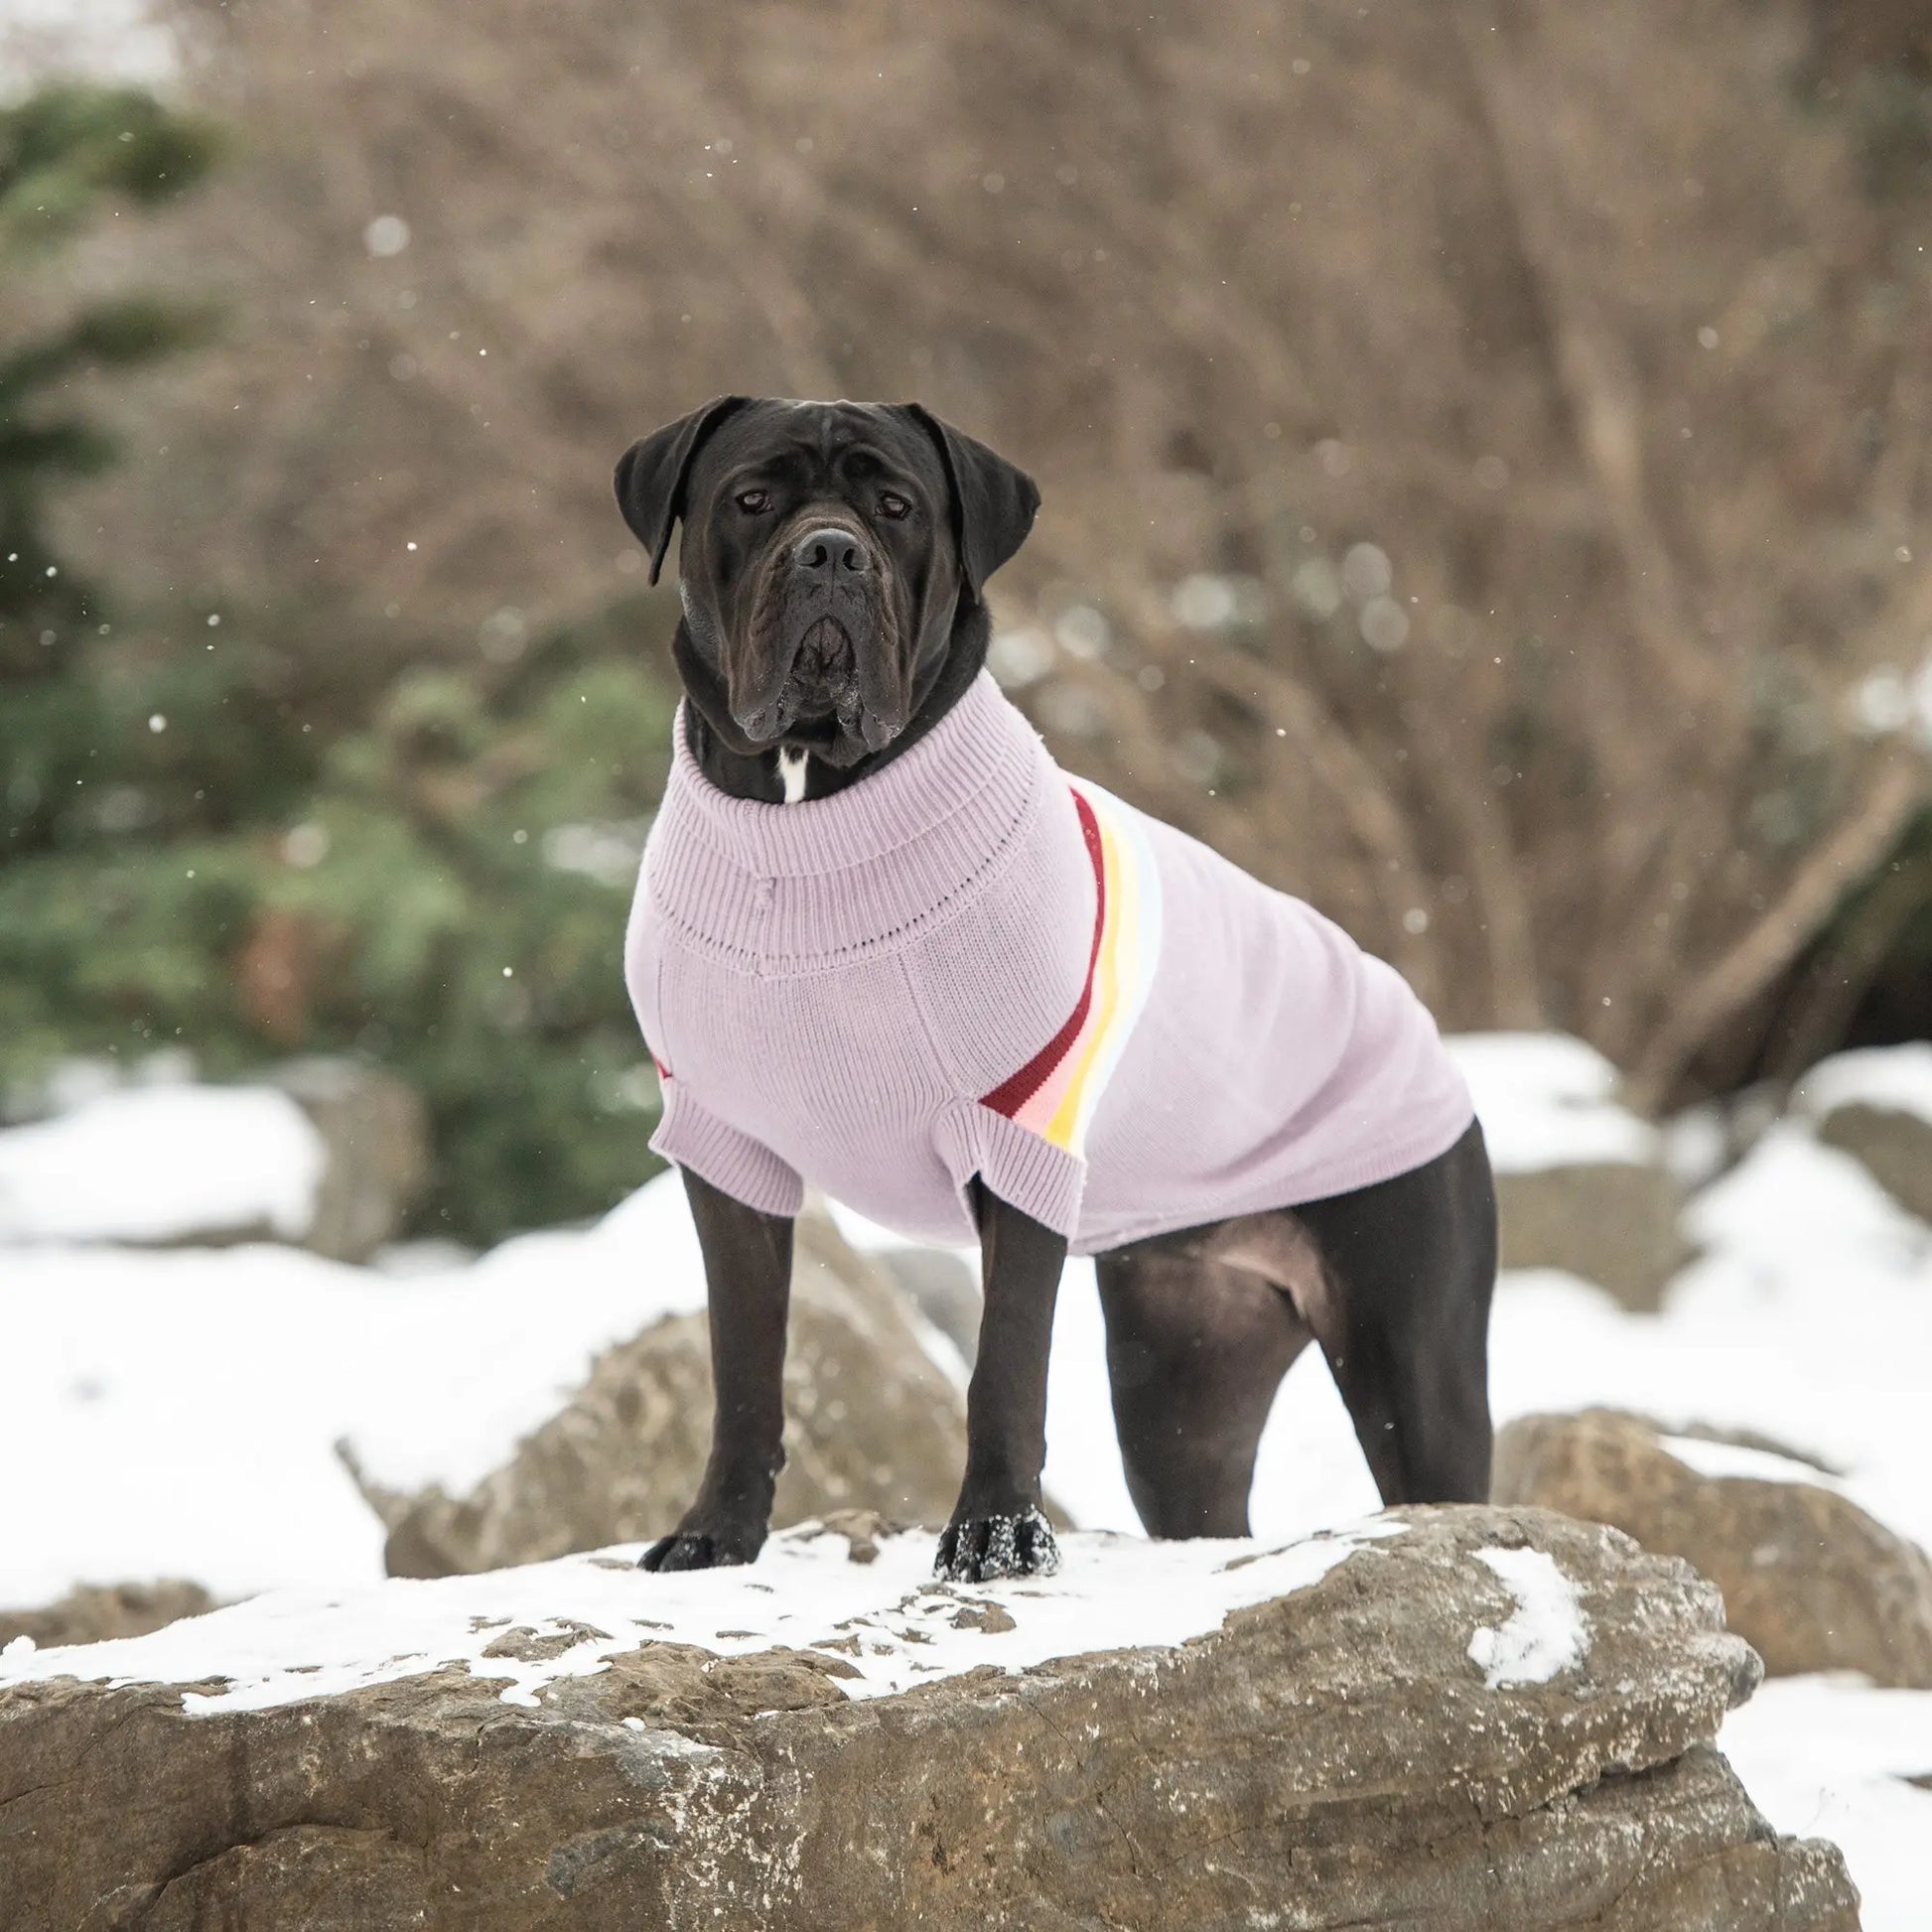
{"x": 1163, "y": 1733}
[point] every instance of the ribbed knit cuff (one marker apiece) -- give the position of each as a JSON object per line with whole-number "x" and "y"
{"x": 1023, "y": 1169}
{"x": 732, "y": 1162}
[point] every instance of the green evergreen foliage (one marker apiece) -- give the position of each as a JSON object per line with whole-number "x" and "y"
{"x": 256, "y": 833}
{"x": 235, "y": 884}
{"x": 66, "y": 154}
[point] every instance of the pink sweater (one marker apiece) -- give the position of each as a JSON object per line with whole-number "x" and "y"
{"x": 971, "y": 963}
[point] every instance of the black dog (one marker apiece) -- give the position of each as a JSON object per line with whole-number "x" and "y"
{"x": 832, "y": 576}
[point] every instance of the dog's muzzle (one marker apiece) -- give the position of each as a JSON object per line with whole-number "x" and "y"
{"x": 828, "y": 591}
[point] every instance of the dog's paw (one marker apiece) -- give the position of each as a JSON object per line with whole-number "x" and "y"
{"x": 980, "y": 1548}
{"x": 693, "y": 1549}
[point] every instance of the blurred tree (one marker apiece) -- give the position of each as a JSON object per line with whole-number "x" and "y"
{"x": 1483, "y": 446}
{"x": 451, "y": 899}
{"x": 251, "y": 832}
{"x": 66, "y": 156}
{"x": 63, "y": 155}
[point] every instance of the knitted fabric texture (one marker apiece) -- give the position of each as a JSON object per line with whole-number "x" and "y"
{"x": 970, "y": 963}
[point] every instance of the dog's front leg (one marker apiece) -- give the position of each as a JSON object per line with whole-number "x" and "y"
{"x": 997, "y": 1529}
{"x": 748, "y": 1283}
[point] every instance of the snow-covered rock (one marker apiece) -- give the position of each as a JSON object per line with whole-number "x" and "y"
{"x": 1163, "y": 1733}
{"x": 324, "y": 1152}
{"x": 164, "y": 1165}
{"x": 1809, "y": 1578}
{"x": 1549, "y": 1100}
{"x": 95, "y": 1613}
{"x": 871, "y": 1424}
{"x": 1875, "y": 1103}
{"x": 1898, "y": 1079}
{"x": 174, "y": 1413}
{"x": 376, "y": 1130}
{"x": 1582, "y": 1182}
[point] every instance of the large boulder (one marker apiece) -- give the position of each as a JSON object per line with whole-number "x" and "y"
{"x": 1613, "y": 1222}
{"x": 1454, "y": 1717}
{"x": 1809, "y": 1578}
{"x": 1582, "y": 1182}
{"x": 95, "y": 1613}
{"x": 326, "y": 1153}
{"x": 174, "y": 1165}
{"x": 376, "y": 1130}
{"x": 871, "y": 1423}
{"x": 1876, "y": 1104}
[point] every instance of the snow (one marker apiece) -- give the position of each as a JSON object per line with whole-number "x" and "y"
{"x": 127, "y": 1379}
{"x": 1829, "y": 1757}
{"x": 1789, "y": 1190}
{"x": 1546, "y": 1100}
{"x": 1545, "y": 1633}
{"x": 887, "y": 1619}
{"x": 1696, "y": 1144}
{"x": 1735, "y": 1462}
{"x": 162, "y": 1164}
{"x": 105, "y": 40}
{"x": 518, "y": 1328}
{"x": 1897, "y": 1078}
{"x": 176, "y": 1413}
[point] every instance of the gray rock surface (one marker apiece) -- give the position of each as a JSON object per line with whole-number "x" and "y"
{"x": 1329, "y": 1759}
{"x": 1893, "y": 1146}
{"x": 1582, "y": 1183}
{"x": 376, "y": 1132}
{"x": 93, "y": 1612}
{"x": 1809, "y": 1578}
{"x": 1613, "y": 1222}
{"x": 871, "y": 1424}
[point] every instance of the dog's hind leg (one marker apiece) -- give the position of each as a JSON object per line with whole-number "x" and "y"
{"x": 1196, "y": 1348}
{"x": 1401, "y": 1313}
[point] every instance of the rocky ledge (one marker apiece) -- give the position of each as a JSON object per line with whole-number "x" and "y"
{"x": 1442, "y": 1717}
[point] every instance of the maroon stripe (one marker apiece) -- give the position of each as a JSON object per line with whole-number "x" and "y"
{"x": 1012, "y": 1094}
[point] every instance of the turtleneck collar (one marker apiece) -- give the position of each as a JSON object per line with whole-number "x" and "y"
{"x": 778, "y": 887}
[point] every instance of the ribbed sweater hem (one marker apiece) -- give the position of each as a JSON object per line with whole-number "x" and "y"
{"x": 733, "y": 1163}
{"x": 1019, "y": 1167}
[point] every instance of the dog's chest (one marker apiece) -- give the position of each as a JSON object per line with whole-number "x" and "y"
{"x": 803, "y": 1029}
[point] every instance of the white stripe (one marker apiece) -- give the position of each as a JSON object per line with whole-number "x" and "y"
{"x": 1138, "y": 951}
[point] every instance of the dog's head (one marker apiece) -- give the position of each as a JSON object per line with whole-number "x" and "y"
{"x": 828, "y": 550}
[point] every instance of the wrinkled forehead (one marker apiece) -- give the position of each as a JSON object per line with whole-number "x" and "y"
{"x": 821, "y": 444}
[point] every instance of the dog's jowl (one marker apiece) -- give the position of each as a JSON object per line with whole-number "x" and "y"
{"x": 883, "y": 943}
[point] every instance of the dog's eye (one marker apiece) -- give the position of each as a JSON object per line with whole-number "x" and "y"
{"x": 752, "y": 502}
{"x": 893, "y": 507}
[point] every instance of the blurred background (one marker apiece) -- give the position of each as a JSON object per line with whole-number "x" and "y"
{"x": 1487, "y": 453}
{"x": 1484, "y": 450}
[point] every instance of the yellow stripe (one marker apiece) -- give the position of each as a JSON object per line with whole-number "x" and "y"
{"x": 1059, "y": 1129}
{"x": 1128, "y": 968}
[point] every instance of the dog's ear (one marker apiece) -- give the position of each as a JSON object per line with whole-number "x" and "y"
{"x": 652, "y": 474}
{"x": 993, "y": 501}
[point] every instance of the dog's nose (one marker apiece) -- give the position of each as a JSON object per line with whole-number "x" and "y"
{"x": 829, "y": 554}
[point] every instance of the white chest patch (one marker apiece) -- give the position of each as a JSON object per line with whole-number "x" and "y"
{"x": 791, "y": 768}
